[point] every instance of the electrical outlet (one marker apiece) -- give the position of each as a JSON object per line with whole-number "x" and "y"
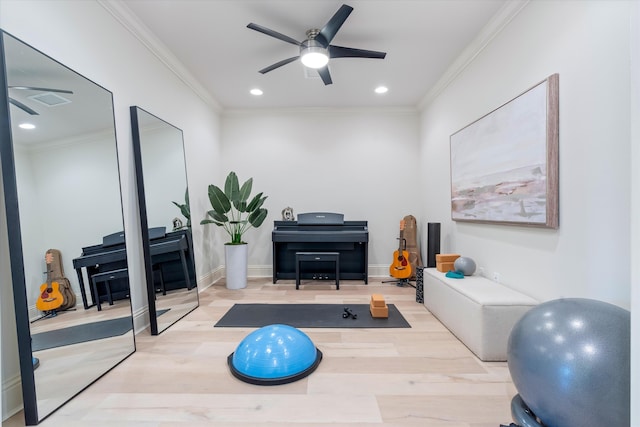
{"x": 496, "y": 277}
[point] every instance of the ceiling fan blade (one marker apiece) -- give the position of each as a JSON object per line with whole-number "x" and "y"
{"x": 325, "y": 75}
{"x": 23, "y": 107}
{"x": 41, "y": 89}
{"x": 330, "y": 29}
{"x": 272, "y": 33}
{"x": 278, "y": 64}
{"x": 347, "y": 52}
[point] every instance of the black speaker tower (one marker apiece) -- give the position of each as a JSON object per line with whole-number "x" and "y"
{"x": 433, "y": 243}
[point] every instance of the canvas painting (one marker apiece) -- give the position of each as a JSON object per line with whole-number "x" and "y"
{"x": 504, "y": 166}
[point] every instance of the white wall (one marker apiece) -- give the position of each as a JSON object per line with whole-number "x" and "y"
{"x": 164, "y": 175}
{"x": 359, "y": 163}
{"x": 590, "y": 255}
{"x": 587, "y": 43}
{"x": 84, "y": 36}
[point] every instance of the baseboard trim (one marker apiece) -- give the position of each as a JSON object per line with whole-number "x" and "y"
{"x": 379, "y": 270}
{"x": 11, "y": 397}
{"x": 141, "y": 320}
{"x": 209, "y": 279}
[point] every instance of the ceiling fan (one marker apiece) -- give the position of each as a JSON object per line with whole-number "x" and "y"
{"x": 316, "y": 49}
{"x": 27, "y": 109}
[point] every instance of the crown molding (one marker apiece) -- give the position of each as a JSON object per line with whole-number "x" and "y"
{"x": 119, "y": 10}
{"x": 499, "y": 21}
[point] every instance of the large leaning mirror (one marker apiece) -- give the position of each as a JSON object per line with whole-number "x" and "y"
{"x": 64, "y": 225}
{"x": 163, "y": 198}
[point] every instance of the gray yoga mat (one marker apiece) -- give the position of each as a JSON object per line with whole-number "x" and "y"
{"x": 83, "y": 333}
{"x": 309, "y": 316}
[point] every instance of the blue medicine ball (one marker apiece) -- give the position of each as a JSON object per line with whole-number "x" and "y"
{"x": 570, "y": 362}
{"x": 274, "y": 354}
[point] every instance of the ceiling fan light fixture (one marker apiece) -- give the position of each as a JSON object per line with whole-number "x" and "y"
{"x": 317, "y": 50}
{"x": 314, "y": 56}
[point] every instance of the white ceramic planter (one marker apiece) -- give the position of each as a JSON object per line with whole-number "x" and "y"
{"x": 235, "y": 258}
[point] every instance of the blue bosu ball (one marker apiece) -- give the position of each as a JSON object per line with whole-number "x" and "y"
{"x": 274, "y": 354}
{"x": 570, "y": 362}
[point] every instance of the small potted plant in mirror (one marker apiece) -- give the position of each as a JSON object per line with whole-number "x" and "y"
{"x": 234, "y": 211}
{"x": 185, "y": 209}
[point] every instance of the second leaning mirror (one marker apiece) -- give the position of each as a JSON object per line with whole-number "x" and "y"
{"x": 163, "y": 198}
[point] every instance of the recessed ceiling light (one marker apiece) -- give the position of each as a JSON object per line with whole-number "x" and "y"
{"x": 256, "y": 92}
{"x": 381, "y": 89}
{"x": 26, "y": 126}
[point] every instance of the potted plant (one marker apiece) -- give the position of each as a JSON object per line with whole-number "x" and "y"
{"x": 236, "y": 213}
{"x": 185, "y": 209}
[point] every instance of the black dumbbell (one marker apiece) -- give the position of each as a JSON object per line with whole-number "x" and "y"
{"x": 349, "y": 313}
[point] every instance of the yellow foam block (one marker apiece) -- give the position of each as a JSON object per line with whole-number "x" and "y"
{"x": 444, "y": 267}
{"x": 379, "y": 311}
{"x": 447, "y": 257}
{"x": 377, "y": 300}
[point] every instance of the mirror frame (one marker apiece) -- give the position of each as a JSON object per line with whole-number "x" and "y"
{"x": 144, "y": 223}
{"x": 16, "y": 253}
{"x": 14, "y": 236}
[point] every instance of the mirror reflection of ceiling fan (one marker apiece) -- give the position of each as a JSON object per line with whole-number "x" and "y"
{"x": 48, "y": 97}
{"x": 316, "y": 50}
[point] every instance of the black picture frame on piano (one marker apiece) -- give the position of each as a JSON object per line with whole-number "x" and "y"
{"x": 321, "y": 232}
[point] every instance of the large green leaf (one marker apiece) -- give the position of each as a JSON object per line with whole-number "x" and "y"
{"x": 219, "y": 201}
{"x": 184, "y": 209}
{"x": 256, "y": 202}
{"x": 231, "y": 186}
{"x": 217, "y": 216}
{"x": 245, "y": 190}
{"x": 186, "y": 202}
{"x": 257, "y": 217}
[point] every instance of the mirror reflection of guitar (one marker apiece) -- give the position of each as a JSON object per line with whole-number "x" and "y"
{"x": 50, "y": 297}
{"x": 400, "y": 267}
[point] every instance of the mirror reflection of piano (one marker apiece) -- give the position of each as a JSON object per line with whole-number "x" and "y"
{"x": 321, "y": 232}
{"x": 171, "y": 255}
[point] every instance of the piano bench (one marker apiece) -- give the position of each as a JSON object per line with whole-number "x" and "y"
{"x": 317, "y": 257}
{"x": 105, "y": 278}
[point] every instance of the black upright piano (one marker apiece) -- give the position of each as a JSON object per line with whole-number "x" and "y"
{"x": 171, "y": 257}
{"x": 321, "y": 232}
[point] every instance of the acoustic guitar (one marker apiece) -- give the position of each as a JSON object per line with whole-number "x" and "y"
{"x": 400, "y": 268}
{"x": 50, "y": 297}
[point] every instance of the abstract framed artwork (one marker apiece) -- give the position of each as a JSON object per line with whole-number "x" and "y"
{"x": 504, "y": 166}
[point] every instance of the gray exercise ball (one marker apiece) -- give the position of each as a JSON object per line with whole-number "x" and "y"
{"x": 465, "y": 265}
{"x": 570, "y": 362}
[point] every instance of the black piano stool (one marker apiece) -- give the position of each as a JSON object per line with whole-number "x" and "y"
{"x": 317, "y": 257}
{"x": 105, "y": 278}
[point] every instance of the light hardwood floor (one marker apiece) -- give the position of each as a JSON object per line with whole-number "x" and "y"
{"x": 422, "y": 376}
